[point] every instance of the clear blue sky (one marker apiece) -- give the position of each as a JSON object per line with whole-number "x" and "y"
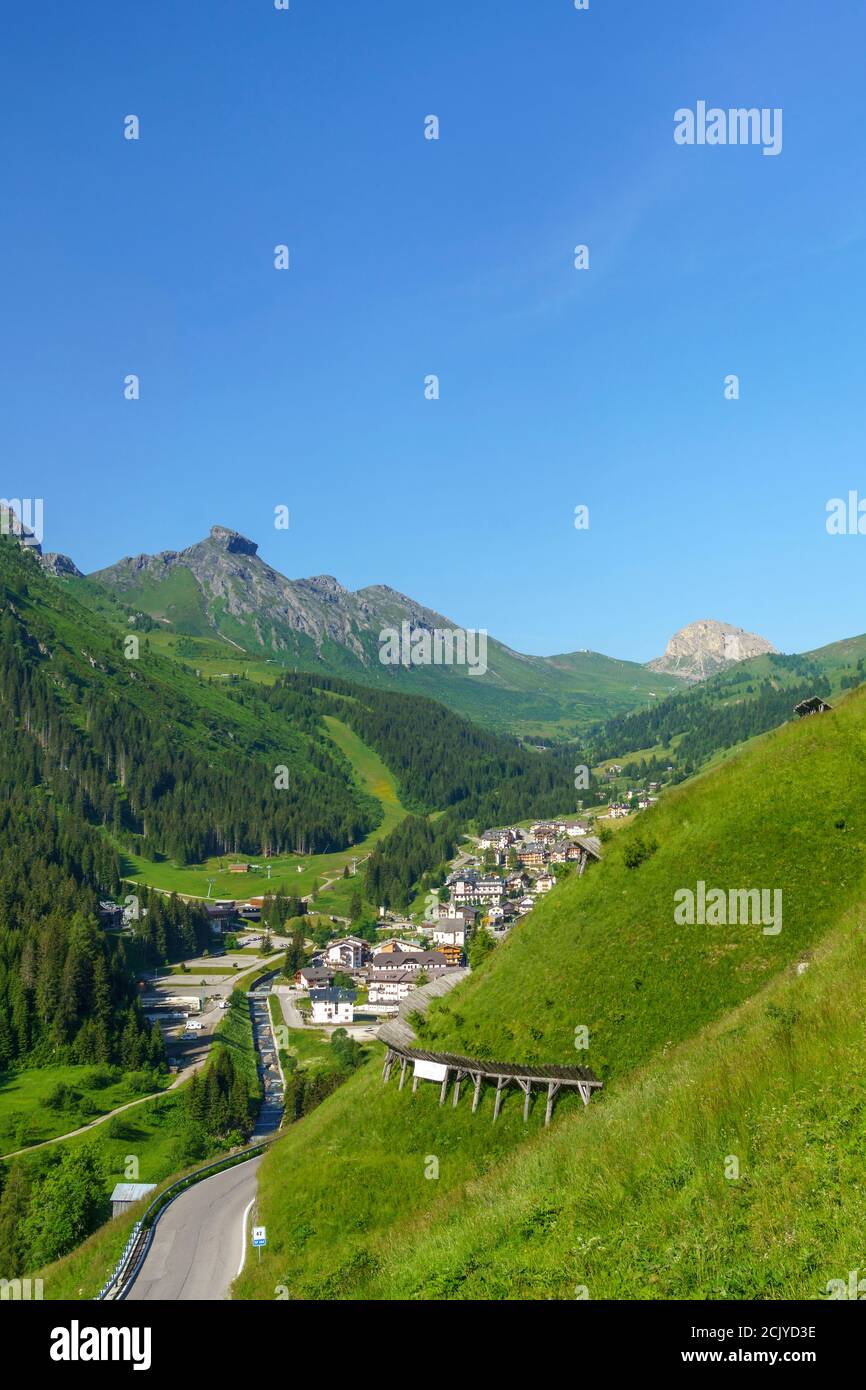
{"x": 454, "y": 257}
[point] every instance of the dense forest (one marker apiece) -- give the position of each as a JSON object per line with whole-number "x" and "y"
{"x": 65, "y": 989}
{"x": 718, "y": 714}
{"x": 441, "y": 762}
{"x": 414, "y": 848}
{"x": 121, "y": 747}
{"x": 439, "y": 759}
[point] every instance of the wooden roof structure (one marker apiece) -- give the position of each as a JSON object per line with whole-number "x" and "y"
{"x": 524, "y": 1075}
{"x": 814, "y": 705}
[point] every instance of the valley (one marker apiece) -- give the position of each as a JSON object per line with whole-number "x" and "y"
{"x": 594, "y": 969}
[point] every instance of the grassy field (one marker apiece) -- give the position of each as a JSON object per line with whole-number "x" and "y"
{"x": 605, "y": 951}
{"x": 713, "y": 1047}
{"x": 310, "y": 1047}
{"x": 745, "y": 1181}
{"x": 90, "y": 1091}
{"x": 295, "y": 874}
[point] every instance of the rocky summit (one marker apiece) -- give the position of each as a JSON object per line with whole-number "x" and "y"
{"x": 701, "y": 649}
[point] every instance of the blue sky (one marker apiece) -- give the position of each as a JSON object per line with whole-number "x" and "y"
{"x": 454, "y": 257}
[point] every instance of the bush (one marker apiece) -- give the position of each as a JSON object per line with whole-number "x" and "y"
{"x": 143, "y": 1080}
{"x": 63, "y": 1097}
{"x": 99, "y": 1077}
{"x": 637, "y": 850}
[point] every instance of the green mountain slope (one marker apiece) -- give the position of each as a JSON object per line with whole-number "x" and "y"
{"x": 728, "y": 1167}
{"x": 691, "y": 727}
{"x": 220, "y": 588}
{"x": 694, "y": 1073}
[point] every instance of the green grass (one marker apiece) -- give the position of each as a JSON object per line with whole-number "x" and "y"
{"x": 294, "y": 874}
{"x": 356, "y": 1167}
{"x": 235, "y": 1034}
{"x": 633, "y": 1199}
{"x": 147, "y": 1134}
{"x": 311, "y": 1047}
{"x": 710, "y": 1044}
{"x": 24, "y": 1117}
{"x": 604, "y": 951}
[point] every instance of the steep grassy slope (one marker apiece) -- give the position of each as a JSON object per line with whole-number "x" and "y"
{"x": 727, "y": 1168}
{"x": 787, "y": 814}
{"x": 629, "y": 1198}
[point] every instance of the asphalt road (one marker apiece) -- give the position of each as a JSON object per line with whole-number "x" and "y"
{"x": 200, "y": 1240}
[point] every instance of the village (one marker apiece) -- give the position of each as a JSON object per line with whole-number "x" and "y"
{"x": 358, "y": 981}
{"x": 491, "y": 886}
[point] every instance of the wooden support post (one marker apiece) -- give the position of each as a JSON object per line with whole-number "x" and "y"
{"x": 389, "y": 1062}
{"x": 585, "y": 1092}
{"x": 443, "y": 1090}
{"x": 552, "y": 1088}
{"x": 527, "y": 1089}
{"x": 404, "y": 1062}
{"x": 500, "y": 1082}
{"x": 414, "y": 1083}
{"x": 458, "y": 1078}
{"x": 477, "y": 1096}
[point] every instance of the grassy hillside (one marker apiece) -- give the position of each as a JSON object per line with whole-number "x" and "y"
{"x": 695, "y": 727}
{"x": 729, "y": 1167}
{"x": 711, "y": 1046}
{"x": 293, "y": 874}
{"x": 605, "y": 952}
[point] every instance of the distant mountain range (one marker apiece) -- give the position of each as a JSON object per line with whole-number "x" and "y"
{"x": 222, "y": 608}
{"x": 220, "y": 593}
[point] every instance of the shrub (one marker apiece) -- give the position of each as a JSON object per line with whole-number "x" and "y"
{"x": 63, "y": 1097}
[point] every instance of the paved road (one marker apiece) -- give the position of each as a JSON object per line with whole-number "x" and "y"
{"x": 200, "y": 1240}
{"x": 292, "y": 1015}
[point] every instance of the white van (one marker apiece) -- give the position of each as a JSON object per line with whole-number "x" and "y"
{"x": 193, "y": 1025}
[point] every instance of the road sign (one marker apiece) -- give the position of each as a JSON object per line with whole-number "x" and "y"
{"x": 259, "y": 1236}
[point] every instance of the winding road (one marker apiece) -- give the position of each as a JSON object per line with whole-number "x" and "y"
{"x": 201, "y": 1240}
{"x": 200, "y": 1243}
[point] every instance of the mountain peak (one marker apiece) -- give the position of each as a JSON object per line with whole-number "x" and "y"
{"x": 233, "y": 541}
{"x": 59, "y": 565}
{"x": 323, "y": 583}
{"x": 702, "y": 648}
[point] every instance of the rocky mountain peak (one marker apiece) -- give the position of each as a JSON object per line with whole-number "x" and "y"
{"x": 702, "y": 648}
{"x": 233, "y": 541}
{"x": 60, "y": 565}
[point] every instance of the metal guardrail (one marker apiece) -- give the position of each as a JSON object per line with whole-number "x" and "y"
{"x": 139, "y": 1239}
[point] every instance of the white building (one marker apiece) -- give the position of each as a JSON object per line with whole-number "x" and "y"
{"x": 349, "y": 952}
{"x": 389, "y": 986}
{"x": 333, "y": 1005}
{"x": 544, "y": 883}
{"x": 480, "y": 889}
{"x": 449, "y": 931}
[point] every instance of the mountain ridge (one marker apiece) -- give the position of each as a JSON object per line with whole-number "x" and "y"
{"x": 220, "y": 587}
